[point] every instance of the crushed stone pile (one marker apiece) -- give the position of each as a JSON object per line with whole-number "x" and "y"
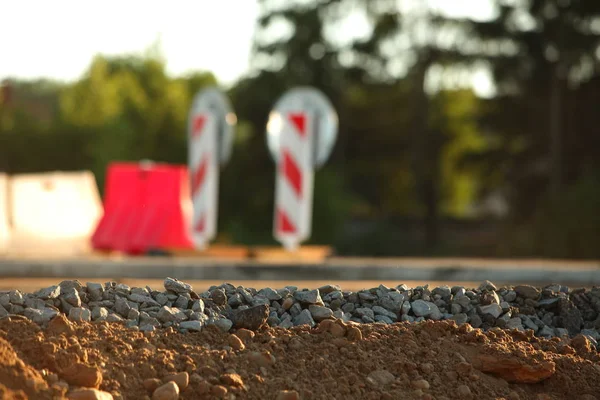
{"x": 552, "y": 311}
{"x": 110, "y": 341}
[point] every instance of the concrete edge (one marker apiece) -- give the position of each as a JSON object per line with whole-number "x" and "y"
{"x": 232, "y": 270}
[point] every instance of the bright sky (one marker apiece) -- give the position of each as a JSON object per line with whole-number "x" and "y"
{"x": 58, "y": 39}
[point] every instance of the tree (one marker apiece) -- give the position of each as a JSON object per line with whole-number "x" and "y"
{"x": 301, "y": 55}
{"x": 131, "y": 110}
{"x": 556, "y": 43}
{"x": 407, "y": 41}
{"x": 540, "y": 125}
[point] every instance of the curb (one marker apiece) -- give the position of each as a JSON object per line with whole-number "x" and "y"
{"x": 187, "y": 269}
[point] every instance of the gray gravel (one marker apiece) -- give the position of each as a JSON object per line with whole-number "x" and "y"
{"x": 553, "y": 310}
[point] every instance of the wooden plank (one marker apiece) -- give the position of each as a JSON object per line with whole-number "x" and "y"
{"x": 304, "y": 253}
{"x": 215, "y": 251}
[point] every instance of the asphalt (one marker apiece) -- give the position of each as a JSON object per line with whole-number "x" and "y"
{"x": 581, "y": 273}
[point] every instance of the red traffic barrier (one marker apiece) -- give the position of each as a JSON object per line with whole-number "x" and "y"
{"x": 145, "y": 207}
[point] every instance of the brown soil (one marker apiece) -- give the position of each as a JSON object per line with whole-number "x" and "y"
{"x": 430, "y": 360}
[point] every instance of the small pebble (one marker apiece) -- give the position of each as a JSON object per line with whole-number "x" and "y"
{"x": 79, "y": 374}
{"x": 168, "y": 391}
{"x": 463, "y": 391}
{"x": 182, "y": 379}
{"x": 354, "y": 334}
{"x": 236, "y": 343}
{"x": 232, "y": 380}
{"x": 288, "y": 395}
{"x": 89, "y": 394}
{"x": 151, "y": 384}
{"x": 337, "y": 330}
{"x": 262, "y": 359}
{"x": 421, "y": 384}
{"x": 219, "y": 391}
{"x": 381, "y": 378}
{"x": 245, "y": 334}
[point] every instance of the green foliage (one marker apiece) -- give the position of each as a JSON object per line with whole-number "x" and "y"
{"x": 93, "y": 100}
{"x": 124, "y": 108}
{"x": 568, "y": 225}
{"x": 331, "y": 206}
{"x": 456, "y": 113}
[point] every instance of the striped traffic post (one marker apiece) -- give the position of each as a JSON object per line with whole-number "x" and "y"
{"x": 301, "y": 133}
{"x": 294, "y": 181}
{"x": 210, "y": 134}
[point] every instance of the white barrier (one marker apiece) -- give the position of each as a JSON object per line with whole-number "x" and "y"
{"x": 4, "y": 228}
{"x": 53, "y": 213}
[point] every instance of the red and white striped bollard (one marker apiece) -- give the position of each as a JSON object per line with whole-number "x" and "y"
{"x": 210, "y": 128}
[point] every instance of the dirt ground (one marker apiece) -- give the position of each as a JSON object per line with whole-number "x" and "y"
{"x": 430, "y": 360}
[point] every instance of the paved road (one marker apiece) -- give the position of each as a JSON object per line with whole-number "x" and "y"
{"x": 33, "y": 284}
{"x": 435, "y": 262}
{"x": 350, "y": 273}
{"x": 573, "y": 273}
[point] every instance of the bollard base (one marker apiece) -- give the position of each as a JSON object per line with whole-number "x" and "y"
{"x": 301, "y": 253}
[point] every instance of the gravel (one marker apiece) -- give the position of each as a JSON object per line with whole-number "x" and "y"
{"x": 304, "y": 318}
{"x": 252, "y": 317}
{"x": 549, "y": 311}
{"x": 192, "y": 325}
{"x": 51, "y": 292}
{"x": 308, "y": 297}
{"x": 175, "y": 286}
{"x": 319, "y": 313}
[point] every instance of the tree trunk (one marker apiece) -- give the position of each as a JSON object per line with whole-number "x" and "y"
{"x": 426, "y": 157}
{"x": 555, "y": 130}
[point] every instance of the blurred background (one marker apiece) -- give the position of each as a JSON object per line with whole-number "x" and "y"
{"x": 467, "y": 127}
